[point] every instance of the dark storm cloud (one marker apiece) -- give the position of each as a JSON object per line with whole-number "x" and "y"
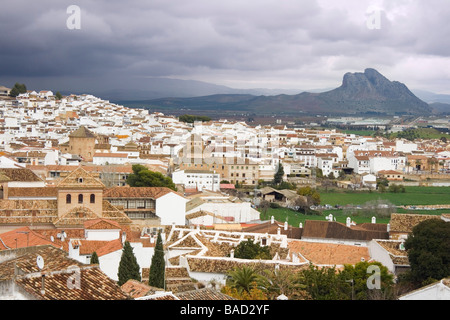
{"x": 254, "y": 42}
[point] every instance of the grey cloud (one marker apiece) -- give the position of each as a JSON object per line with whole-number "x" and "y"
{"x": 243, "y": 41}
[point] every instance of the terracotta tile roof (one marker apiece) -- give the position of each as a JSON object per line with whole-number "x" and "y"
{"x": 43, "y": 192}
{"x": 137, "y": 289}
{"x": 28, "y": 211}
{"x": 110, "y": 155}
{"x": 25, "y": 261}
{"x": 79, "y": 215}
{"x": 23, "y": 237}
{"x": 93, "y": 285}
{"x": 136, "y": 192}
{"x": 329, "y": 253}
{"x": 337, "y": 230}
{"x": 203, "y": 294}
{"x": 20, "y": 174}
{"x": 398, "y": 256}
{"x": 80, "y": 179}
{"x": 100, "y": 247}
{"x": 101, "y": 224}
{"x": 405, "y": 222}
{"x": 224, "y": 265}
{"x": 272, "y": 228}
{"x": 82, "y": 132}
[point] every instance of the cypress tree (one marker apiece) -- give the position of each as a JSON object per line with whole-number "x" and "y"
{"x": 94, "y": 258}
{"x": 128, "y": 266}
{"x": 157, "y": 268}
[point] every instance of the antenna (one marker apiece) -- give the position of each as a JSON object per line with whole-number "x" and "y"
{"x": 40, "y": 262}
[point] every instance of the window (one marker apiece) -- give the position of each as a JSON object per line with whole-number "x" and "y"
{"x": 140, "y": 204}
{"x": 92, "y": 198}
{"x": 68, "y": 198}
{"x": 80, "y": 198}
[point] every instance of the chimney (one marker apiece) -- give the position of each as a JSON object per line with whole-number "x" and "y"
{"x": 278, "y": 231}
{"x": 348, "y": 222}
{"x": 374, "y": 220}
{"x": 124, "y": 237}
{"x": 272, "y": 220}
{"x": 43, "y": 284}
{"x": 285, "y": 225}
{"x": 232, "y": 253}
{"x": 388, "y": 227}
{"x": 300, "y": 225}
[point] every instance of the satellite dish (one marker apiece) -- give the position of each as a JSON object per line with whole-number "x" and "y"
{"x": 52, "y": 238}
{"x": 40, "y": 262}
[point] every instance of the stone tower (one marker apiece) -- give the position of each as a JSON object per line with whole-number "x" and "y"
{"x": 82, "y": 143}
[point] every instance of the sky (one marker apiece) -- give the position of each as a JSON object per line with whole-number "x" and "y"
{"x": 284, "y": 44}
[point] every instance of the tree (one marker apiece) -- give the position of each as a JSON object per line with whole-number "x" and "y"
{"x": 324, "y": 284}
{"x": 279, "y": 281}
{"x": 18, "y": 89}
{"x": 143, "y": 177}
{"x": 311, "y": 194}
{"x": 360, "y": 274}
{"x": 94, "y": 258}
{"x": 428, "y": 249}
{"x": 250, "y": 250}
{"x": 243, "y": 279}
{"x": 128, "y": 266}
{"x": 189, "y": 118}
{"x": 58, "y": 95}
{"x": 278, "y": 177}
{"x": 157, "y": 268}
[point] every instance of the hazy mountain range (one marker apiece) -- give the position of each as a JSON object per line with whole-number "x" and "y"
{"x": 360, "y": 93}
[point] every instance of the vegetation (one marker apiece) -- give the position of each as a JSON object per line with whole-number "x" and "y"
{"x": 94, "y": 258}
{"x": 278, "y": 177}
{"x": 18, "y": 89}
{"x": 58, "y": 95}
{"x": 157, "y": 268}
{"x": 128, "y": 266}
{"x": 143, "y": 177}
{"x": 189, "y": 118}
{"x": 411, "y": 196}
{"x": 415, "y": 133}
{"x": 312, "y": 283}
{"x": 312, "y": 195}
{"x": 428, "y": 249}
{"x": 250, "y": 250}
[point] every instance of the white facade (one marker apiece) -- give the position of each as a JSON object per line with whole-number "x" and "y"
{"x": 200, "y": 180}
{"x": 171, "y": 208}
{"x": 110, "y": 158}
{"x": 238, "y": 212}
{"x": 436, "y": 291}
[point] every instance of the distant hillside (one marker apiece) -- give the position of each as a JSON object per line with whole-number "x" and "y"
{"x": 360, "y": 93}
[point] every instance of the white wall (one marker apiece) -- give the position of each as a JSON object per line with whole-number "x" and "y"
{"x": 438, "y": 291}
{"x": 109, "y": 264}
{"x": 102, "y": 235}
{"x": 242, "y": 212}
{"x": 171, "y": 208}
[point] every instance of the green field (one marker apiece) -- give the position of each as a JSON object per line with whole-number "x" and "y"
{"x": 412, "y": 196}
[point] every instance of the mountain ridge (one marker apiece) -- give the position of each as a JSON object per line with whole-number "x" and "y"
{"x": 360, "y": 93}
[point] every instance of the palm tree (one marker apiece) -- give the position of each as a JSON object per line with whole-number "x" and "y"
{"x": 243, "y": 279}
{"x": 283, "y": 282}
{"x": 408, "y": 164}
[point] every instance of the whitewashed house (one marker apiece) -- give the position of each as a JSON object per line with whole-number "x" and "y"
{"x": 197, "y": 179}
